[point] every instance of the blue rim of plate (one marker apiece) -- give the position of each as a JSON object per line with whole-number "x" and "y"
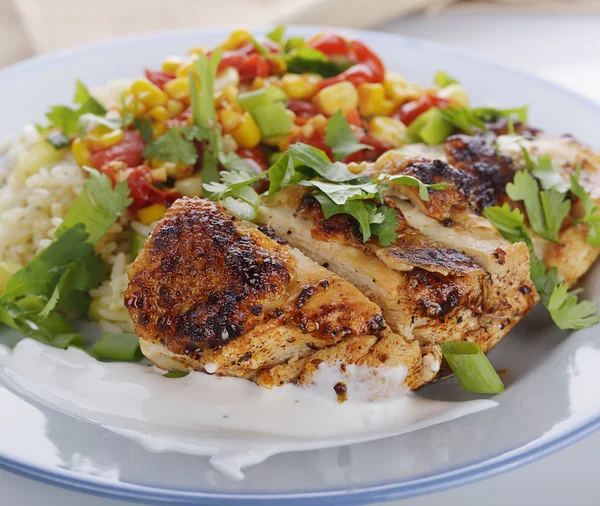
{"x": 485, "y": 468}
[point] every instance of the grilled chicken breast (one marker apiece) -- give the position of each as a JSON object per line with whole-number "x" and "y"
{"x": 493, "y": 168}
{"x": 449, "y": 275}
{"x": 211, "y": 293}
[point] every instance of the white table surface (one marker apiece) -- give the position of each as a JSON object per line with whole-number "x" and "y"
{"x": 559, "y": 46}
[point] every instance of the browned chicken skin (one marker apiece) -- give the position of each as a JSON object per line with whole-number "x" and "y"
{"x": 211, "y": 293}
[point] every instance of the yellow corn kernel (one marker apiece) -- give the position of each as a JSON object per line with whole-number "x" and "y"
{"x": 229, "y": 144}
{"x": 246, "y": 134}
{"x": 236, "y": 39}
{"x": 195, "y": 51}
{"x": 159, "y": 113}
{"x": 257, "y": 83}
{"x": 80, "y": 152}
{"x": 174, "y": 108}
{"x": 372, "y": 101}
{"x": 133, "y": 105}
{"x": 300, "y": 87}
{"x": 278, "y": 64}
{"x": 399, "y": 91}
{"x": 228, "y": 77}
{"x": 339, "y": 96}
{"x": 158, "y": 129}
{"x": 185, "y": 68}
{"x": 227, "y": 99}
{"x": 178, "y": 88}
{"x": 151, "y": 213}
{"x": 229, "y": 119}
{"x": 456, "y": 94}
{"x": 386, "y": 129}
{"x": 102, "y": 137}
{"x": 172, "y": 63}
{"x": 149, "y": 94}
{"x": 159, "y": 174}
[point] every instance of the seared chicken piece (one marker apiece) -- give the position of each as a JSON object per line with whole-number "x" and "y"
{"x": 449, "y": 276}
{"x": 211, "y": 293}
{"x": 478, "y": 156}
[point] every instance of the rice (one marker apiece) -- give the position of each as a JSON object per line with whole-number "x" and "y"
{"x": 32, "y": 210}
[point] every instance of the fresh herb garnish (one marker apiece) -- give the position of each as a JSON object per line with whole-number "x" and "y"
{"x": 301, "y": 60}
{"x": 176, "y": 145}
{"x": 563, "y": 307}
{"x": 592, "y": 213}
{"x": 472, "y": 368}
{"x": 442, "y": 79}
{"x": 405, "y": 180}
{"x": 204, "y": 114}
{"x": 57, "y": 139}
{"x": 340, "y": 137}
{"x": 546, "y": 210}
{"x": 59, "y": 277}
{"x": 277, "y": 34}
{"x": 67, "y": 119}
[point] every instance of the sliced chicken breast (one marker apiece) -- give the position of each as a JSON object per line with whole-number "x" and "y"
{"x": 211, "y": 293}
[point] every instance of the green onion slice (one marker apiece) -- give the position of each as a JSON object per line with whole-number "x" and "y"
{"x": 472, "y": 368}
{"x": 122, "y": 347}
{"x": 272, "y": 120}
{"x": 176, "y": 374}
{"x": 264, "y": 96}
{"x": 63, "y": 341}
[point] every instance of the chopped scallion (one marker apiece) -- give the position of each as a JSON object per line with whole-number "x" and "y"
{"x": 264, "y": 96}
{"x": 123, "y": 347}
{"x": 472, "y": 368}
{"x": 272, "y": 120}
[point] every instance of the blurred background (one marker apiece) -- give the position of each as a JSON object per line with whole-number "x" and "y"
{"x": 556, "y": 39}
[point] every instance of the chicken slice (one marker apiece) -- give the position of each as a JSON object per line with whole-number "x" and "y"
{"x": 210, "y": 293}
{"x": 494, "y": 160}
{"x": 430, "y": 287}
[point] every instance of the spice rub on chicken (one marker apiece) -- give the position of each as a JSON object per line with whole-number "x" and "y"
{"x": 493, "y": 161}
{"x": 448, "y": 276}
{"x": 211, "y": 293}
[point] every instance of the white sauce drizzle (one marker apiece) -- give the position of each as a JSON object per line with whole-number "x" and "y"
{"x": 234, "y": 421}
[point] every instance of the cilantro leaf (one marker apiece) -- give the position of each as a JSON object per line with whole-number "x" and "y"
{"x": 317, "y": 160}
{"x": 57, "y": 139}
{"x": 281, "y": 174}
{"x": 546, "y": 210}
{"x": 442, "y": 79}
{"x": 204, "y": 114}
{"x": 592, "y": 213}
{"x": 568, "y": 313}
{"x": 405, "y": 180}
{"x": 563, "y": 307}
{"x": 549, "y": 175}
{"x": 340, "y": 193}
{"x": 175, "y": 145}
{"x": 277, "y": 34}
{"x": 462, "y": 118}
{"x": 67, "y": 119}
{"x": 144, "y": 127}
{"x": 370, "y": 218}
{"x": 302, "y": 60}
{"x": 340, "y": 137}
{"x": 491, "y": 114}
{"x": 385, "y": 230}
{"x": 97, "y": 207}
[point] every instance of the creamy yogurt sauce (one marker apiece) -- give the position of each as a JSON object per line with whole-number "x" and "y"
{"x": 234, "y": 421}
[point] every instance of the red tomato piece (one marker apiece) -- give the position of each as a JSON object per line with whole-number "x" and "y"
{"x": 159, "y": 77}
{"x": 332, "y": 44}
{"x": 410, "y": 111}
{"x": 353, "y": 117}
{"x": 129, "y": 151}
{"x": 256, "y": 158}
{"x": 144, "y": 193}
{"x": 302, "y": 108}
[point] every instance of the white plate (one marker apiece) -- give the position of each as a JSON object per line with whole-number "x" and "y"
{"x": 550, "y": 399}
